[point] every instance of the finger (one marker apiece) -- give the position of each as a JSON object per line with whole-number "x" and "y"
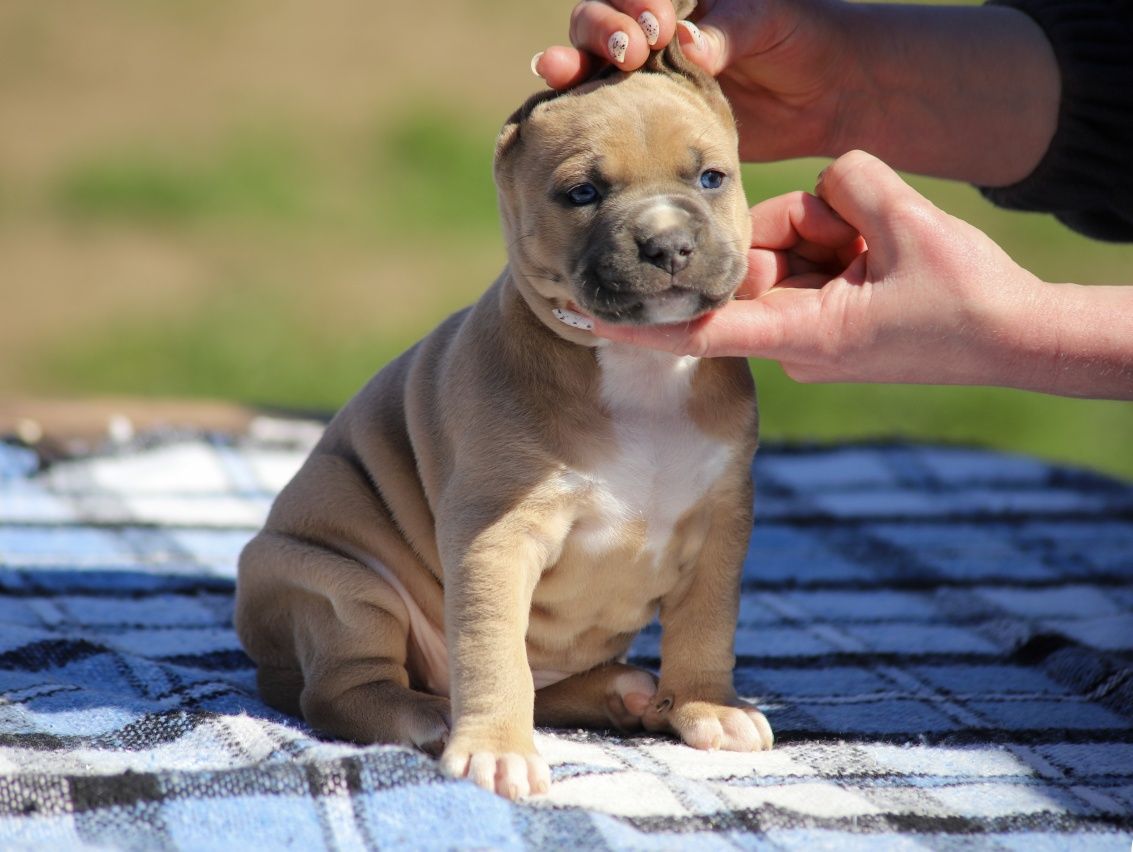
{"x": 765, "y": 269}
{"x": 782, "y": 321}
{"x": 655, "y": 18}
{"x": 563, "y": 67}
{"x": 867, "y": 194}
{"x": 704, "y": 45}
{"x": 811, "y": 257}
{"x": 787, "y": 220}
{"x": 768, "y": 269}
{"x": 708, "y": 42}
{"x": 777, "y": 326}
{"x": 794, "y": 234}
{"x": 804, "y": 280}
{"x": 609, "y": 34}
{"x": 676, "y": 339}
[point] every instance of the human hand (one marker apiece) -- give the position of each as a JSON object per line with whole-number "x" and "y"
{"x": 821, "y": 77}
{"x": 779, "y": 62}
{"x": 867, "y": 281}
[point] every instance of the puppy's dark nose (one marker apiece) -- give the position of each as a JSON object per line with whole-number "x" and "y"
{"x": 670, "y": 250}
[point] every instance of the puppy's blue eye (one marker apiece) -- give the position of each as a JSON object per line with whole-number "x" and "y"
{"x": 583, "y": 194}
{"x": 712, "y": 179}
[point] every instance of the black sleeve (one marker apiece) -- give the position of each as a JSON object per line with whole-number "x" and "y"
{"x": 1086, "y": 176}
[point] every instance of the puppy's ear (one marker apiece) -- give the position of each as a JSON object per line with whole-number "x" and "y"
{"x": 683, "y": 8}
{"x": 507, "y": 145}
{"x": 512, "y": 131}
{"x": 671, "y": 61}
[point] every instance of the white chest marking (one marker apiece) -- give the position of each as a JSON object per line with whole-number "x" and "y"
{"x": 662, "y": 463}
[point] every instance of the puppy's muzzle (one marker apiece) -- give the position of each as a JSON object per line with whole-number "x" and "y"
{"x": 671, "y": 246}
{"x": 661, "y": 261}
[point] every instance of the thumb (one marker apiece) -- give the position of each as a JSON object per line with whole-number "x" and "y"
{"x": 868, "y": 194}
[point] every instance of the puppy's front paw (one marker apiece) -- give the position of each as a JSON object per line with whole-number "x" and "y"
{"x": 512, "y": 770}
{"x": 736, "y": 727}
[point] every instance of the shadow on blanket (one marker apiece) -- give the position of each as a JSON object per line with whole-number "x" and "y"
{"x": 942, "y": 638}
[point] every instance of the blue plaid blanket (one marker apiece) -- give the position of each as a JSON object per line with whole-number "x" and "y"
{"x": 942, "y": 638}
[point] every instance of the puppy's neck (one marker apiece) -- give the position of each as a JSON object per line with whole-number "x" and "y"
{"x": 522, "y": 293}
{"x": 641, "y": 381}
{"x": 661, "y": 376}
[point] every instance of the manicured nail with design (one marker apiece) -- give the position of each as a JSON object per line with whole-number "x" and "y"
{"x": 618, "y": 45}
{"x": 648, "y": 23}
{"x": 697, "y": 35}
{"x": 535, "y": 61}
{"x": 572, "y": 319}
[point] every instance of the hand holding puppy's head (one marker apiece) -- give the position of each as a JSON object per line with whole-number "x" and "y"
{"x": 622, "y": 199}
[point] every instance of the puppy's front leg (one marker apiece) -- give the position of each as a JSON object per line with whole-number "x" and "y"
{"x": 488, "y": 588}
{"x": 695, "y": 696}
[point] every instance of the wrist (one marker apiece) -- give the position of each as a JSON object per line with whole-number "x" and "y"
{"x": 1071, "y": 340}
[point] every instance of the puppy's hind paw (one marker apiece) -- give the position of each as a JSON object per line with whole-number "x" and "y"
{"x": 429, "y": 729}
{"x": 628, "y": 701}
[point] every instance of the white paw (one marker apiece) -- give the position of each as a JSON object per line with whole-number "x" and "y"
{"x": 510, "y": 774}
{"x": 712, "y": 726}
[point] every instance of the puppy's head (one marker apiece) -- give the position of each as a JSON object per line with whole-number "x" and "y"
{"x": 621, "y": 199}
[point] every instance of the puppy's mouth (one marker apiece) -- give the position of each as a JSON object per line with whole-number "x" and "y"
{"x": 674, "y": 305}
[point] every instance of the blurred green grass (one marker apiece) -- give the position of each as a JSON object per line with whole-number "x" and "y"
{"x": 438, "y": 167}
{"x": 253, "y": 176}
{"x": 244, "y": 344}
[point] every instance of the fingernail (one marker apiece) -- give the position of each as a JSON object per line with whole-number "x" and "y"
{"x": 649, "y": 25}
{"x": 618, "y": 45}
{"x": 819, "y": 180}
{"x": 697, "y": 35}
{"x": 535, "y": 61}
{"x": 572, "y": 319}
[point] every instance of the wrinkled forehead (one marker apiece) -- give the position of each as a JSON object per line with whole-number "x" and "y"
{"x": 641, "y": 127}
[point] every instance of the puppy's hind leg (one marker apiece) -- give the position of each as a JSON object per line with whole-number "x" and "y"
{"x": 613, "y": 695}
{"x": 381, "y": 711}
{"x": 330, "y": 638}
{"x": 280, "y": 687}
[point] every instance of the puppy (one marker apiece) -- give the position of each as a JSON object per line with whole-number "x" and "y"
{"x": 483, "y": 529}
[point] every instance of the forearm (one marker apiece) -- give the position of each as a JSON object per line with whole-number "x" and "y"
{"x": 1074, "y": 340}
{"x": 967, "y": 93}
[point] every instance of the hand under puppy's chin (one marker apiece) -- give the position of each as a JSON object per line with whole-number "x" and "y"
{"x": 575, "y": 317}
